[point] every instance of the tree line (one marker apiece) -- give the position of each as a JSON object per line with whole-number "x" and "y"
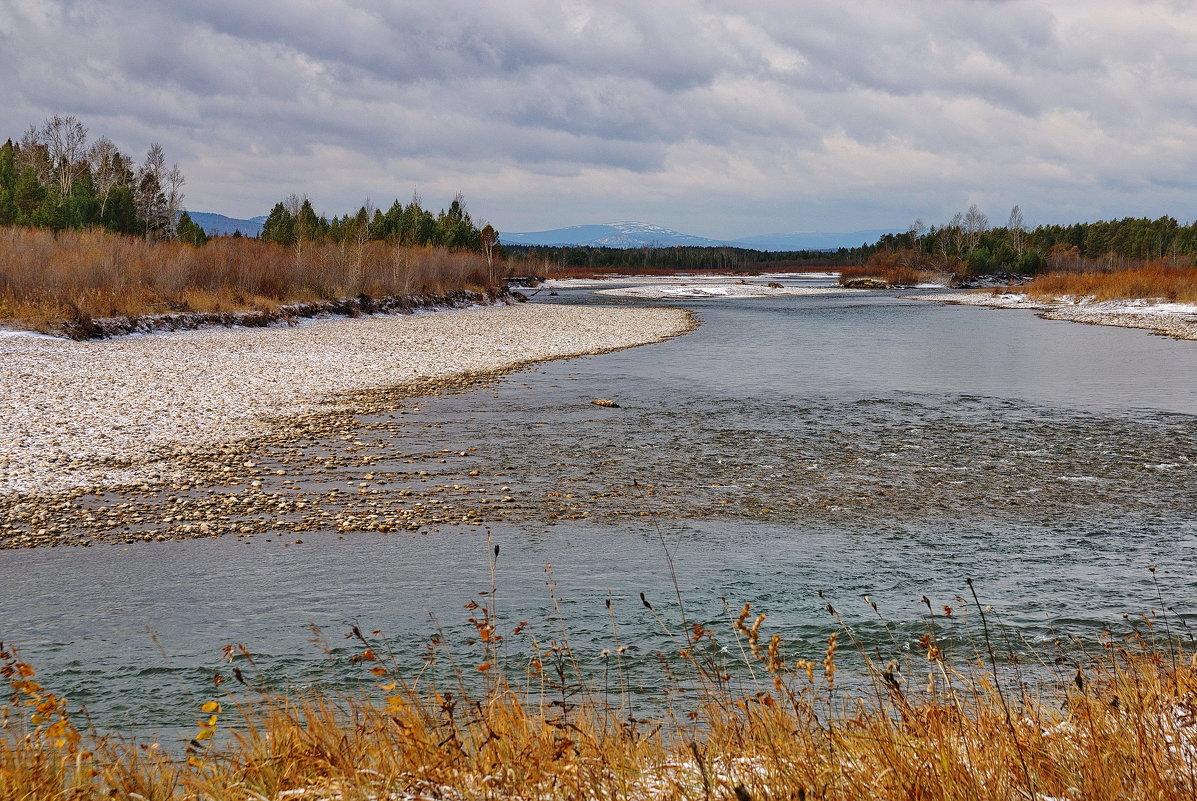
{"x": 55, "y": 178}
{"x": 969, "y": 244}
{"x": 294, "y": 221}
{"x": 531, "y": 258}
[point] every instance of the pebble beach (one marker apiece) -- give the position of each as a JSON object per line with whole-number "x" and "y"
{"x": 1176, "y": 320}
{"x": 97, "y": 413}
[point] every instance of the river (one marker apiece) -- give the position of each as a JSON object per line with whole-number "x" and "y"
{"x": 856, "y": 444}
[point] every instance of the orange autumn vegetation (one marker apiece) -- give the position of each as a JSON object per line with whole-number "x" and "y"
{"x": 46, "y": 277}
{"x": 1161, "y": 279}
{"x": 1117, "y": 723}
{"x": 902, "y": 267}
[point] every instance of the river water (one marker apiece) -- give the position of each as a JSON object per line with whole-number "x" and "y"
{"x": 851, "y": 445}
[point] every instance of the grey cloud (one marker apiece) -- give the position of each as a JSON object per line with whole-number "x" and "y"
{"x": 866, "y": 112}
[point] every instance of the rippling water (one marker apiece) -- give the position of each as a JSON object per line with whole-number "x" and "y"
{"x": 852, "y": 445}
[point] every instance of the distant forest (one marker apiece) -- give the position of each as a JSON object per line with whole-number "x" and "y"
{"x": 967, "y": 245}
{"x": 294, "y": 221}
{"x": 54, "y": 178}
{"x": 531, "y": 258}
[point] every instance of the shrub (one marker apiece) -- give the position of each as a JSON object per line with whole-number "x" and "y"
{"x": 47, "y": 278}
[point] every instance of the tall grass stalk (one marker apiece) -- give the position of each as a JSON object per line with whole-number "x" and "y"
{"x": 537, "y": 726}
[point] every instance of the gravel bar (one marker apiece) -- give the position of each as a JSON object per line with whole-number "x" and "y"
{"x": 1175, "y": 320}
{"x": 112, "y": 412}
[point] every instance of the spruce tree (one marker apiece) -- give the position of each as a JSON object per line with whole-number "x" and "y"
{"x": 28, "y": 195}
{"x": 8, "y": 169}
{"x": 189, "y": 231}
{"x": 279, "y": 226}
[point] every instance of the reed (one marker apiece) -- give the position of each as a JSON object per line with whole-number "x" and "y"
{"x": 946, "y": 718}
{"x": 1161, "y": 280}
{"x": 901, "y": 268}
{"x": 48, "y": 277}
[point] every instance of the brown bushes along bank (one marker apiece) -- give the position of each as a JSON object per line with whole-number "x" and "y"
{"x": 48, "y": 279}
{"x": 1154, "y": 280}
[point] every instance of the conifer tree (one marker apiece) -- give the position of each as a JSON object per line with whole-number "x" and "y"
{"x": 189, "y": 231}
{"x": 279, "y": 226}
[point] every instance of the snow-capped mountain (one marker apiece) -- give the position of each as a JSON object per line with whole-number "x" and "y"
{"x": 612, "y": 235}
{"x": 639, "y": 235}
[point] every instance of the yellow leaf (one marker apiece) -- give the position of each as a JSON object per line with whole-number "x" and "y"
{"x": 484, "y": 666}
{"x": 387, "y": 687}
{"x": 195, "y": 762}
{"x": 37, "y": 718}
{"x": 204, "y": 734}
{"x": 378, "y": 671}
{"x": 211, "y": 706}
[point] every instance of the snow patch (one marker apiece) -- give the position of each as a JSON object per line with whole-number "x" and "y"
{"x": 668, "y": 291}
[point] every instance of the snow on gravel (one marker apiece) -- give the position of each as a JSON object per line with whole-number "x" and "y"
{"x": 667, "y": 291}
{"x": 1177, "y": 320}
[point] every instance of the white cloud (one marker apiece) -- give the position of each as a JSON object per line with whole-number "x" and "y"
{"x": 716, "y": 117}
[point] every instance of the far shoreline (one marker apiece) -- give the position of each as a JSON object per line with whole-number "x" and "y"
{"x": 1174, "y": 320}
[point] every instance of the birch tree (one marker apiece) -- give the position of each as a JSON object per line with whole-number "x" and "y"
{"x": 173, "y": 194}
{"x": 107, "y": 170}
{"x": 65, "y": 140}
{"x": 1016, "y": 227}
{"x": 915, "y": 232}
{"x": 149, "y": 200}
{"x": 33, "y": 154}
{"x": 975, "y": 224}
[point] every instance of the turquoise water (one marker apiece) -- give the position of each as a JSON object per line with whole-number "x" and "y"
{"x": 846, "y": 444}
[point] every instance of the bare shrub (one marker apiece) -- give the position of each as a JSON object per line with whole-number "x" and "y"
{"x": 44, "y": 275}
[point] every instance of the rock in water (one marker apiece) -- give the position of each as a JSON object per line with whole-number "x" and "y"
{"x": 610, "y": 404}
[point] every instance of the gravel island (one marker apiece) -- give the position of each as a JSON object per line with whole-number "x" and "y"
{"x": 111, "y": 412}
{"x": 1176, "y": 320}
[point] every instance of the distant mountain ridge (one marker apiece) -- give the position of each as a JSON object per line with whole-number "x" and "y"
{"x": 626, "y": 234}
{"x": 639, "y": 235}
{"x": 611, "y": 235}
{"x": 220, "y": 225}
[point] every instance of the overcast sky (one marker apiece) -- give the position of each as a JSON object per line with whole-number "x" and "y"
{"x": 724, "y": 118}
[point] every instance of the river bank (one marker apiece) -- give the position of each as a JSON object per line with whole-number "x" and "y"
{"x": 851, "y": 444}
{"x": 151, "y": 410}
{"x": 1176, "y": 320}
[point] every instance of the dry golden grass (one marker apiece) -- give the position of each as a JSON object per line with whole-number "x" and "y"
{"x": 1157, "y": 279}
{"x": 46, "y": 278}
{"x": 901, "y": 268}
{"x": 1118, "y": 723}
